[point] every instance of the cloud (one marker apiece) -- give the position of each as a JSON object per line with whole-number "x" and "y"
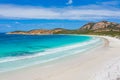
{"x": 17, "y": 22}
{"x": 87, "y": 12}
{"x": 8, "y": 26}
{"x": 69, "y": 2}
{"x": 111, "y": 3}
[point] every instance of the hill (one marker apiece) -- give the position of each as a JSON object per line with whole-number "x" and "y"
{"x": 101, "y": 28}
{"x": 98, "y": 28}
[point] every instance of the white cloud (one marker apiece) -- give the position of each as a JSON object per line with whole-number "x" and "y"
{"x": 69, "y": 2}
{"x": 111, "y": 3}
{"x": 17, "y": 22}
{"x": 77, "y": 13}
{"x": 8, "y": 26}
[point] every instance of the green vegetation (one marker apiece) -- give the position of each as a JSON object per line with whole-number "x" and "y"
{"x": 98, "y": 28}
{"x": 109, "y": 33}
{"x": 90, "y": 32}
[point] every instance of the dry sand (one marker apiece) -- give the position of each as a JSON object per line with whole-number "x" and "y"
{"x": 87, "y": 66}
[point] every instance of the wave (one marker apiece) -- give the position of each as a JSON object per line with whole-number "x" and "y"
{"x": 53, "y": 51}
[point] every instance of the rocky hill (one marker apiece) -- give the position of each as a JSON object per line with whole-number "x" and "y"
{"x": 38, "y": 31}
{"x": 98, "y": 28}
{"x": 101, "y": 26}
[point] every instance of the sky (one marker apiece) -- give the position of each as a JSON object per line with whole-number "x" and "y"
{"x": 48, "y": 14}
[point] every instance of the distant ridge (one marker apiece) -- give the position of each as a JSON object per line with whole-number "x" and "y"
{"x": 38, "y": 31}
{"x": 98, "y": 28}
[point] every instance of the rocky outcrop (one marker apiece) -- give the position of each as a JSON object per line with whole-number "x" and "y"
{"x": 33, "y": 32}
{"x": 87, "y": 26}
{"x": 101, "y": 26}
{"x": 17, "y": 32}
{"x": 37, "y": 31}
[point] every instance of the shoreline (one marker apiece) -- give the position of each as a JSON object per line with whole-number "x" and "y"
{"x": 77, "y": 48}
{"x": 82, "y": 66}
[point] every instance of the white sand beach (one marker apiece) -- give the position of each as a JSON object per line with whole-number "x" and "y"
{"x": 100, "y": 64}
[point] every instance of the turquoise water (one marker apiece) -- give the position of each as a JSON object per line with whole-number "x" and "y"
{"x": 18, "y": 51}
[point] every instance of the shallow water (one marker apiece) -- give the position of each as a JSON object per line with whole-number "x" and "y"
{"x": 18, "y": 51}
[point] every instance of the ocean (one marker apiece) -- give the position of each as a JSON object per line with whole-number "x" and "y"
{"x": 19, "y": 51}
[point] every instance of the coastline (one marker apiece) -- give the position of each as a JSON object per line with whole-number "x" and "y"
{"x": 83, "y": 66}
